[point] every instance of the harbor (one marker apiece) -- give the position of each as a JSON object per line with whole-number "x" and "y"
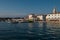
{"x": 27, "y": 31}
{"x": 29, "y": 19}
{"x": 53, "y": 16}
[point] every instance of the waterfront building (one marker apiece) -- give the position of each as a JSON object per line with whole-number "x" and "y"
{"x": 30, "y": 16}
{"x": 39, "y": 17}
{"x": 54, "y": 16}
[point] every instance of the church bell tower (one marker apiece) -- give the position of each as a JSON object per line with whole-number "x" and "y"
{"x": 54, "y": 11}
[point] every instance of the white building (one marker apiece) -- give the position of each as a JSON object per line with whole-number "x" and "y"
{"x": 30, "y": 17}
{"x": 40, "y": 17}
{"x": 54, "y": 16}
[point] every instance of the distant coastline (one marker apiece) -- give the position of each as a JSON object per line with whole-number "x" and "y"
{"x": 54, "y": 16}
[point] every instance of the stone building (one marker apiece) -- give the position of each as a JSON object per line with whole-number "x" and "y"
{"x": 54, "y": 16}
{"x": 39, "y": 17}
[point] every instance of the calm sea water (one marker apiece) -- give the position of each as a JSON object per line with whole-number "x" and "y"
{"x": 30, "y": 31}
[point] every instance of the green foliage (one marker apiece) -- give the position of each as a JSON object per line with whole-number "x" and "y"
{"x": 30, "y": 20}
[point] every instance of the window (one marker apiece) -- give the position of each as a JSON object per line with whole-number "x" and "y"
{"x": 49, "y": 15}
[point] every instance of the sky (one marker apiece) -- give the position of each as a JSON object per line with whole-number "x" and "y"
{"x": 24, "y": 7}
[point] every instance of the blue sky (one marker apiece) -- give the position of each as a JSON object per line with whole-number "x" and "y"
{"x": 24, "y": 7}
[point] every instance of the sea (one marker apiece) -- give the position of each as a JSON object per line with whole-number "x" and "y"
{"x": 30, "y": 31}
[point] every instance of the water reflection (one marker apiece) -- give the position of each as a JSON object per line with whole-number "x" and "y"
{"x": 30, "y": 31}
{"x": 53, "y": 25}
{"x": 44, "y": 27}
{"x": 39, "y": 30}
{"x": 53, "y": 29}
{"x": 30, "y": 25}
{"x": 40, "y": 24}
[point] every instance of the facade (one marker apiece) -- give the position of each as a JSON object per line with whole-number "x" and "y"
{"x": 40, "y": 17}
{"x": 30, "y": 17}
{"x": 37, "y": 17}
{"x": 54, "y": 16}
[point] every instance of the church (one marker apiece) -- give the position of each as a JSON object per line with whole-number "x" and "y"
{"x": 54, "y": 16}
